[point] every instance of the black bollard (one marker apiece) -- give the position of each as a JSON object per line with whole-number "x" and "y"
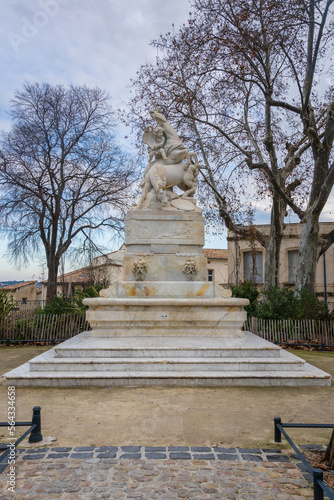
{"x": 36, "y": 434}
{"x": 278, "y": 434}
{"x": 318, "y": 492}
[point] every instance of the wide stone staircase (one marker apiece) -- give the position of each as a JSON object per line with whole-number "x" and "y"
{"x": 89, "y": 359}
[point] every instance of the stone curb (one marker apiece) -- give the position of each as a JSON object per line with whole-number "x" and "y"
{"x": 152, "y": 453}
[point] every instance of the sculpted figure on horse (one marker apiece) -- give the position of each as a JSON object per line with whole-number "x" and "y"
{"x": 170, "y": 164}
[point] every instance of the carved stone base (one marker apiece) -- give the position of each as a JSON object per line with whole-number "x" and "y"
{"x": 164, "y": 317}
{"x": 166, "y": 308}
{"x": 164, "y": 245}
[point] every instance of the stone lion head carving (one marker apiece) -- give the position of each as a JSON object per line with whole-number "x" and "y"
{"x": 140, "y": 269}
{"x": 190, "y": 269}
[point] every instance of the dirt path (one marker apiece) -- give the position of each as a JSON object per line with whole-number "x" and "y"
{"x": 237, "y": 417}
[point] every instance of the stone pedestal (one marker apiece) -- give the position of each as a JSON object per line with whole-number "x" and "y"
{"x": 166, "y": 240}
{"x": 145, "y": 309}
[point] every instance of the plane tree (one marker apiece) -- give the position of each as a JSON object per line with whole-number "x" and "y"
{"x": 248, "y": 84}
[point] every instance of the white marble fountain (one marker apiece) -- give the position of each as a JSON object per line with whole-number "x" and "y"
{"x": 165, "y": 324}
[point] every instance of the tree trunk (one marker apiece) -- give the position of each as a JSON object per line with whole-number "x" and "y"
{"x": 271, "y": 266}
{"x": 308, "y": 254}
{"x": 273, "y": 247}
{"x": 52, "y": 278}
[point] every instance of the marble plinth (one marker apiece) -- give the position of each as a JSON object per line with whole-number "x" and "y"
{"x": 146, "y": 228}
{"x": 166, "y": 308}
{"x": 165, "y": 239}
{"x": 161, "y": 316}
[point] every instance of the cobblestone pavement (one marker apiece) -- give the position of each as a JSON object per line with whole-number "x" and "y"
{"x": 149, "y": 473}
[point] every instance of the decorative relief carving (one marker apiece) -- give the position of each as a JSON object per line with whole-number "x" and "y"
{"x": 140, "y": 269}
{"x": 170, "y": 231}
{"x": 190, "y": 269}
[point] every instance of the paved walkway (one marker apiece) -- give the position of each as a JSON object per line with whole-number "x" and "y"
{"x": 149, "y": 473}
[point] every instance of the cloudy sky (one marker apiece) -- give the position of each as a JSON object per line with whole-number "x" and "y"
{"x": 96, "y": 42}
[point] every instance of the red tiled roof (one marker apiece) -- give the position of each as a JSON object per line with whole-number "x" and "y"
{"x": 82, "y": 275}
{"x": 215, "y": 253}
{"x": 19, "y": 285}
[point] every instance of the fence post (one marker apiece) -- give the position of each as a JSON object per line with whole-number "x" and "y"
{"x": 7, "y": 342}
{"x": 318, "y": 492}
{"x": 278, "y": 434}
{"x": 36, "y": 434}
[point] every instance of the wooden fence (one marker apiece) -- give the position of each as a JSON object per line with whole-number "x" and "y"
{"x": 306, "y": 331}
{"x": 29, "y": 326}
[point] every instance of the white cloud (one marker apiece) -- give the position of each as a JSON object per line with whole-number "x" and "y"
{"x": 99, "y": 42}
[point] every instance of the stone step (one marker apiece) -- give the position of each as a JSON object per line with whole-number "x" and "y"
{"x": 86, "y": 345}
{"x": 167, "y": 353}
{"x": 311, "y": 377}
{"x": 164, "y": 365}
{"x": 191, "y": 361}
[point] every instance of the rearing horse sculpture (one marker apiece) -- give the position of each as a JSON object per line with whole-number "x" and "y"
{"x": 173, "y": 165}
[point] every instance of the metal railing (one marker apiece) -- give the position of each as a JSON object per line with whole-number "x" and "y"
{"x": 319, "y": 486}
{"x": 34, "y": 430}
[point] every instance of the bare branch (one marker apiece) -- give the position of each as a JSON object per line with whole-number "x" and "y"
{"x": 272, "y": 179}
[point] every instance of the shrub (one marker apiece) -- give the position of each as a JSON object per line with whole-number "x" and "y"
{"x": 59, "y": 305}
{"x": 63, "y": 304}
{"x": 281, "y": 303}
{"x": 79, "y": 295}
{"x": 247, "y": 290}
{"x": 6, "y": 304}
{"x": 277, "y": 303}
{"x": 310, "y": 307}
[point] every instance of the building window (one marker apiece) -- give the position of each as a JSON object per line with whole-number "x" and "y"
{"x": 293, "y": 259}
{"x": 24, "y": 300}
{"x": 210, "y": 274}
{"x": 253, "y": 267}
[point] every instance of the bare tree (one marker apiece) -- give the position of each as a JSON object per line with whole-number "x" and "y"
{"x": 238, "y": 80}
{"x": 61, "y": 174}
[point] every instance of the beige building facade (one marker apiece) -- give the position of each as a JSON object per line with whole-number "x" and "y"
{"x": 217, "y": 266}
{"x": 23, "y": 293}
{"x": 246, "y": 260}
{"x": 104, "y": 270}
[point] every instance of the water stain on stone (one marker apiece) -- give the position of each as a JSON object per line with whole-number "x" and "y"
{"x": 203, "y": 290}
